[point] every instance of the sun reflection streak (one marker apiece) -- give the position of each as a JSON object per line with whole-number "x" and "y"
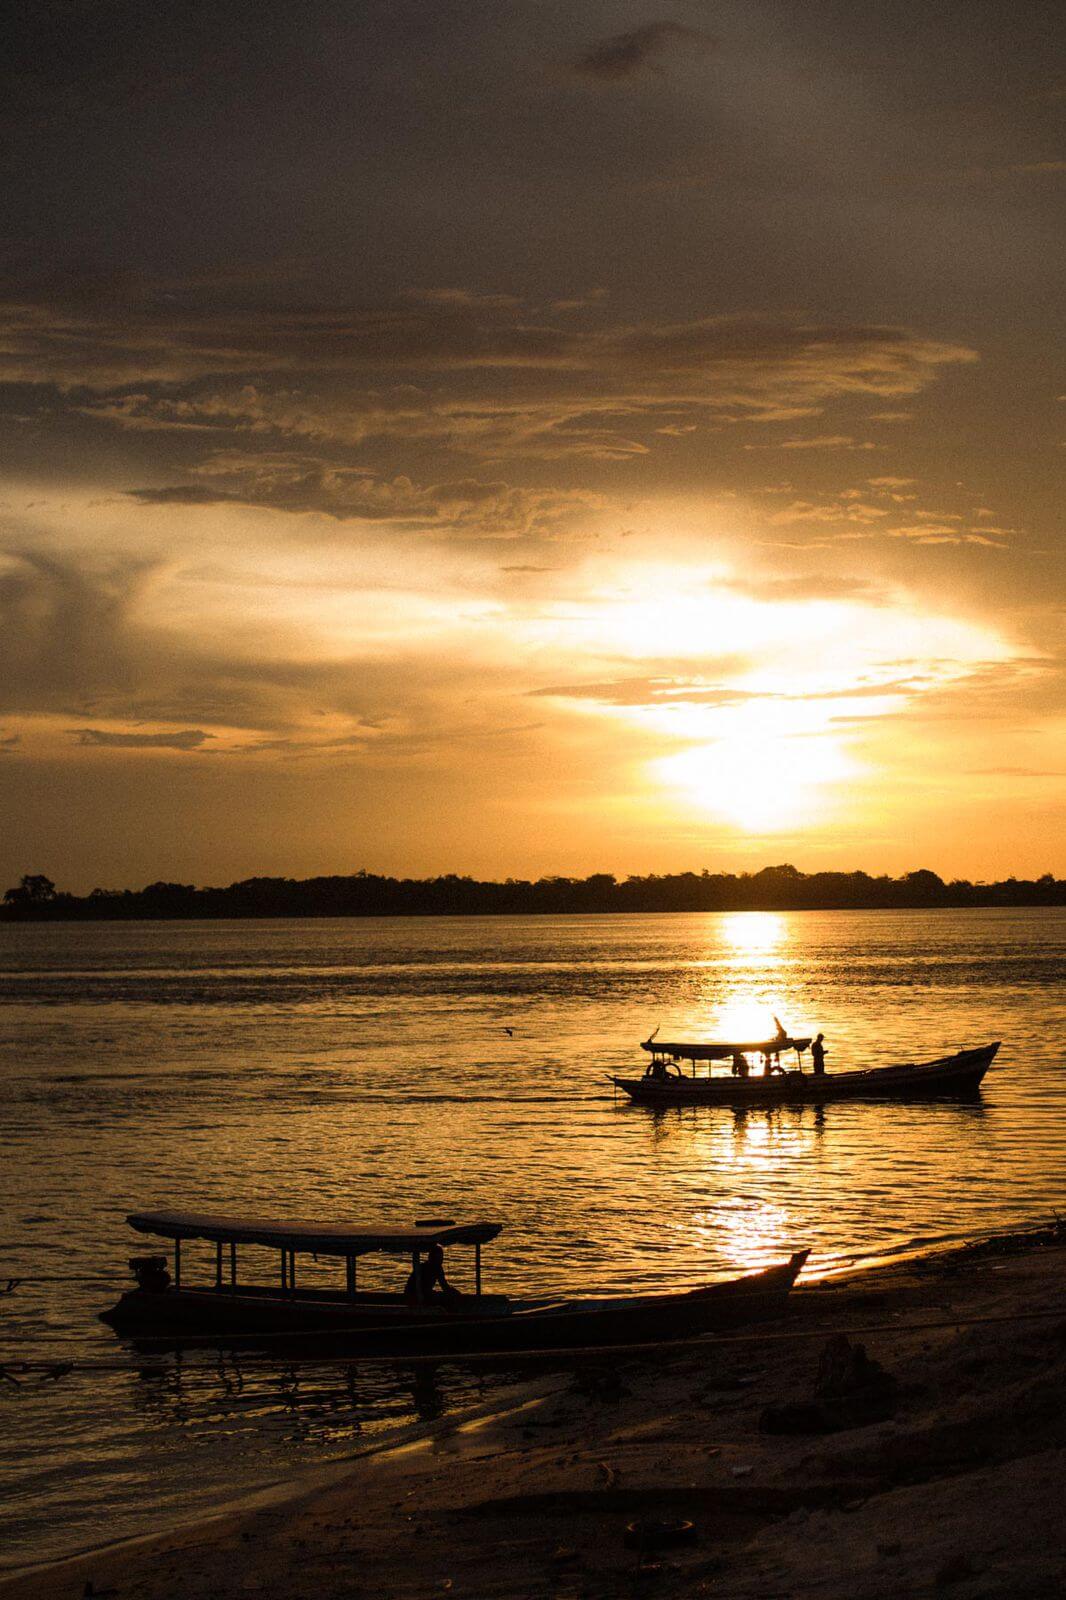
{"x": 753, "y": 932}
{"x": 750, "y": 1233}
{"x": 750, "y": 940}
{"x": 750, "y": 1230}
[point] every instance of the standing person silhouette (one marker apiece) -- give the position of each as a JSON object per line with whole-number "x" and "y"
{"x": 818, "y": 1056}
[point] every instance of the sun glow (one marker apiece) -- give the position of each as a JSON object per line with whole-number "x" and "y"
{"x": 761, "y": 784}
{"x": 759, "y": 705}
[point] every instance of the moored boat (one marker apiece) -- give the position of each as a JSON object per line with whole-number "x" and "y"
{"x": 170, "y": 1310}
{"x": 664, "y": 1083}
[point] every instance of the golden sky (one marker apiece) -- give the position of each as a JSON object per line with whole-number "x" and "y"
{"x": 527, "y": 438}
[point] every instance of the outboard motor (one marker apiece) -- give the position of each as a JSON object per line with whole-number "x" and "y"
{"x": 151, "y": 1273}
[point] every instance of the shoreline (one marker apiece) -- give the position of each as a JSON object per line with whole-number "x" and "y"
{"x": 283, "y": 1491}
{"x": 978, "y": 1365}
{"x": 771, "y": 907}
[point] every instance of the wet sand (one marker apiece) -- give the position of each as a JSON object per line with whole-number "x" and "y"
{"x": 945, "y": 1477}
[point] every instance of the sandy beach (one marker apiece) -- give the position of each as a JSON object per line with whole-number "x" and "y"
{"x": 934, "y": 1467}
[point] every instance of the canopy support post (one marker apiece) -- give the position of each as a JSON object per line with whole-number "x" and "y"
{"x": 417, "y": 1276}
{"x": 292, "y": 1271}
{"x": 177, "y": 1263}
{"x": 284, "y": 1270}
{"x": 233, "y": 1266}
{"x": 477, "y": 1269}
{"x": 218, "y": 1266}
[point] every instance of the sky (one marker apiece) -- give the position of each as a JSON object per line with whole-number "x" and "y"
{"x": 527, "y": 438}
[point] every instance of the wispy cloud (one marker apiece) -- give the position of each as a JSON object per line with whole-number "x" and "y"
{"x": 186, "y": 739}
{"x": 625, "y": 56}
{"x": 482, "y": 376}
{"x": 820, "y": 441}
{"x": 656, "y": 691}
{"x": 644, "y": 691}
{"x": 303, "y": 484}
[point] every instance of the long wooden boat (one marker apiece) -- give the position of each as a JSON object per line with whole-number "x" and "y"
{"x": 165, "y": 1310}
{"x": 664, "y": 1084}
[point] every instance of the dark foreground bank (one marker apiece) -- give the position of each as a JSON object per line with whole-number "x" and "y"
{"x": 931, "y": 1463}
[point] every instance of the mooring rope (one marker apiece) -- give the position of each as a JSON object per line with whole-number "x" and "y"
{"x": 51, "y": 1370}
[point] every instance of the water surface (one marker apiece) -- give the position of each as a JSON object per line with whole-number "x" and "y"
{"x": 361, "y": 1069}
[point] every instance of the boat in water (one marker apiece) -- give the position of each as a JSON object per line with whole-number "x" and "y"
{"x": 664, "y": 1083}
{"x": 227, "y": 1310}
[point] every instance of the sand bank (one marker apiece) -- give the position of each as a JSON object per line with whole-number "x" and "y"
{"x": 801, "y": 1472}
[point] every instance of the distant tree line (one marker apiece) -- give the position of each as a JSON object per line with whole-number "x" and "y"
{"x": 368, "y": 894}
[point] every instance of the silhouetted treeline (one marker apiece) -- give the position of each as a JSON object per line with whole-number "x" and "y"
{"x": 366, "y": 894}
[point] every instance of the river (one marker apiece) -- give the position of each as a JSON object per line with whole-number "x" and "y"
{"x": 387, "y": 1069}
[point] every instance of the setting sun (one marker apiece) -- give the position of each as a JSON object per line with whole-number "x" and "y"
{"x": 759, "y": 784}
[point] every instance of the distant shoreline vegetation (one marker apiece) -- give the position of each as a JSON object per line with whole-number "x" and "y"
{"x": 367, "y": 894}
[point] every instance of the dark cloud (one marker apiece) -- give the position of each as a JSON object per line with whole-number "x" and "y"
{"x": 626, "y": 55}
{"x": 66, "y": 637}
{"x": 350, "y": 409}
{"x": 186, "y": 494}
{"x": 186, "y": 739}
{"x": 145, "y": 333}
{"x": 457, "y": 507}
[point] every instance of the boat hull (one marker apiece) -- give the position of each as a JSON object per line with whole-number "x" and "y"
{"x": 199, "y": 1316}
{"x": 948, "y": 1076}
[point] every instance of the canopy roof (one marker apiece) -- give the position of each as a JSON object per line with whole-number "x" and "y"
{"x": 719, "y": 1050}
{"x": 324, "y": 1238}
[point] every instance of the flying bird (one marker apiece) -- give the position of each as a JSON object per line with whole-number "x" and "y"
{"x": 509, "y": 1032}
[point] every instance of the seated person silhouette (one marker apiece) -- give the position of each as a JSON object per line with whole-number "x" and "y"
{"x": 427, "y": 1284}
{"x": 740, "y": 1067}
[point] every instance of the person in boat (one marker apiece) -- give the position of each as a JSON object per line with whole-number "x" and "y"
{"x": 427, "y": 1282}
{"x": 818, "y": 1056}
{"x": 741, "y": 1066}
{"x": 773, "y": 1065}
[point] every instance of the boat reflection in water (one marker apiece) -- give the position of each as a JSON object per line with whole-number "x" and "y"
{"x": 304, "y": 1402}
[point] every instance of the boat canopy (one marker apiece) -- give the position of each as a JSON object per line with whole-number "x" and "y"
{"x": 719, "y": 1050}
{"x": 323, "y": 1238}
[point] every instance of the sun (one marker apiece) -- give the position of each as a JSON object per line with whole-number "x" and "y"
{"x": 761, "y": 784}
